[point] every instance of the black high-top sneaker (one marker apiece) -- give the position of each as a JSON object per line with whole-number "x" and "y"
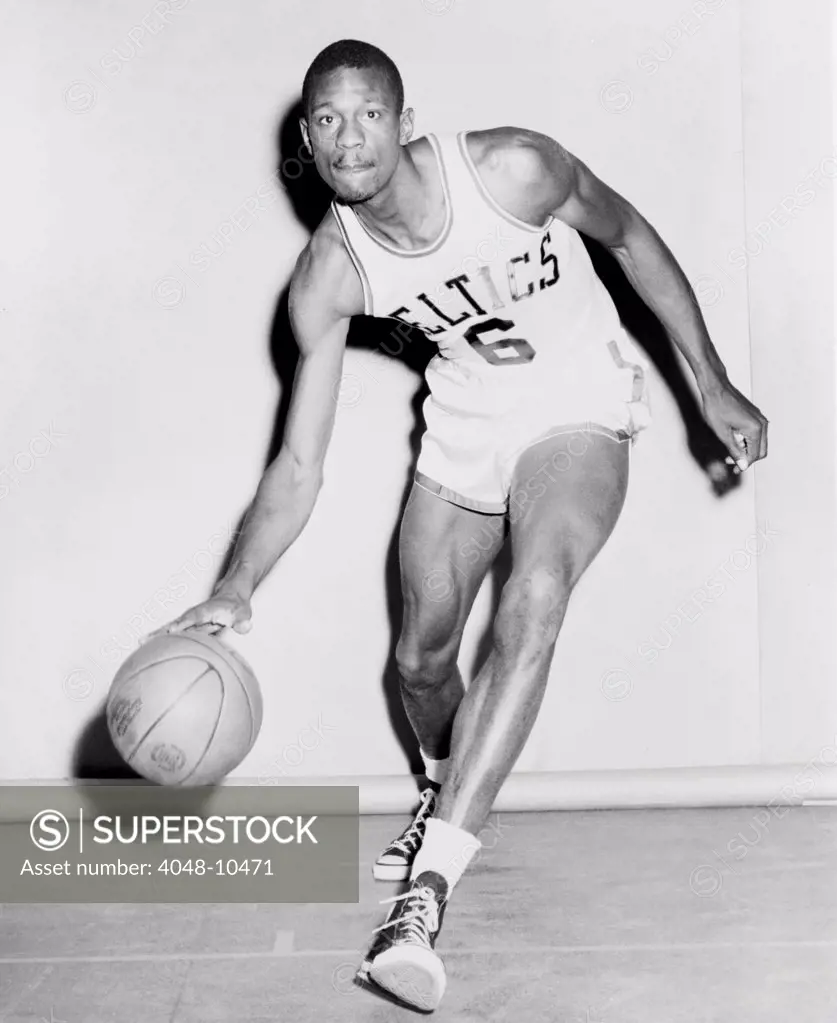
{"x": 403, "y": 960}
{"x": 395, "y": 861}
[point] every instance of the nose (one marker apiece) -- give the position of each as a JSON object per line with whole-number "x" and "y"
{"x": 350, "y": 136}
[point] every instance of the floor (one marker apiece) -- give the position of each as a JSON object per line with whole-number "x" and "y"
{"x": 659, "y": 916}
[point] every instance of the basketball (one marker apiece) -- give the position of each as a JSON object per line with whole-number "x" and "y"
{"x": 184, "y": 709}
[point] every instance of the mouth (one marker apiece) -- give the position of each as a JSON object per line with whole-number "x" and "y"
{"x": 355, "y": 168}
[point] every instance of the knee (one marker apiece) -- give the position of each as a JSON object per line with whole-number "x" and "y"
{"x": 532, "y": 607}
{"x": 422, "y": 666}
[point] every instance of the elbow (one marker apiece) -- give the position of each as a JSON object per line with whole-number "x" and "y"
{"x": 292, "y": 476}
{"x": 306, "y": 476}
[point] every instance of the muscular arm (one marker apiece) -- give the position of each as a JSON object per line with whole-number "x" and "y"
{"x": 557, "y": 183}
{"x": 325, "y": 293}
{"x": 533, "y": 176}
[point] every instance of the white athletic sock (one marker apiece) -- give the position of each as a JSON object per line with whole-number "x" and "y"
{"x": 435, "y": 770}
{"x": 447, "y": 850}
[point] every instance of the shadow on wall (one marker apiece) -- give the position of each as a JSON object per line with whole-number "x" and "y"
{"x": 309, "y": 197}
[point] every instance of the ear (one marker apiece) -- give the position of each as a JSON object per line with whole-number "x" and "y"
{"x": 406, "y": 126}
{"x": 303, "y": 127}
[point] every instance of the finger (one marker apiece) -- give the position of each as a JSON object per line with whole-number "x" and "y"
{"x": 205, "y": 620}
{"x": 221, "y": 616}
{"x": 739, "y": 448}
{"x": 164, "y": 630}
{"x": 185, "y": 621}
{"x": 207, "y": 628}
{"x": 755, "y": 444}
{"x": 763, "y": 440}
{"x": 212, "y": 620}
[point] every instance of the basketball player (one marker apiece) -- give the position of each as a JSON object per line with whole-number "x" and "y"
{"x": 536, "y": 395}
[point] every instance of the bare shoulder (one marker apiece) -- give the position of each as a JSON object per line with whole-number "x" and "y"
{"x": 325, "y": 278}
{"x": 522, "y": 168}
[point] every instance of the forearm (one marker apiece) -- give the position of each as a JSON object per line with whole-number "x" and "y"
{"x": 282, "y": 506}
{"x": 658, "y": 279}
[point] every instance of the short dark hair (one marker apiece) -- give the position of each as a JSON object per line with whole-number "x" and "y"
{"x": 355, "y": 54}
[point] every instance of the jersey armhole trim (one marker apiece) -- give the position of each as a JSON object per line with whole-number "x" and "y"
{"x": 489, "y": 198}
{"x": 364, "y": 280}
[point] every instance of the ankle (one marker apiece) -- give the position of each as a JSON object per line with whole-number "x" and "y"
{"x": 446, "y": 850}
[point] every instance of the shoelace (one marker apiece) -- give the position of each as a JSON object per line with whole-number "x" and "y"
{"x": 419, "y": 920}
{"x": 407, "y": 842}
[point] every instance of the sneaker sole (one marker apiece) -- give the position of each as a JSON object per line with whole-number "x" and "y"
{"x": 414, "y": 975}
{"x": 390, "y": 871}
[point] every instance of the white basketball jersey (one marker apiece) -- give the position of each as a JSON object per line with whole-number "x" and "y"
{"x": 509, "y": 305}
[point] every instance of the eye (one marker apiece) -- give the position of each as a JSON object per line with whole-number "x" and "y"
{"x": 325, "y": 119}
{"x": 373, "y": 113}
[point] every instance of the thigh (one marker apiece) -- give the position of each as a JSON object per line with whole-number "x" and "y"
{"x": 445, "y": 552}
{"x": 566, "y": 496}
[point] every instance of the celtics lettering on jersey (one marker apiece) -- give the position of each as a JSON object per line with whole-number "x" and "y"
{"x": 468, "y": 296}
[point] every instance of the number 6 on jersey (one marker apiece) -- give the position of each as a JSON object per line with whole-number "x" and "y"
{"x": 500, "y": 352}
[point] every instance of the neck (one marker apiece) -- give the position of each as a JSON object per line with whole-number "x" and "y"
{"x": 406, "y": 211}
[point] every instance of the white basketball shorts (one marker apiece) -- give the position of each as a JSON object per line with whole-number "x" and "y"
{"x": 480, "y": 420}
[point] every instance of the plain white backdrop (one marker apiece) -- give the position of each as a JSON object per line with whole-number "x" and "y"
{"x": 147, "y": 241}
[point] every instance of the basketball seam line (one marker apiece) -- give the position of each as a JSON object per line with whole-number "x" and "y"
{"x": 154, "y": 724}
{"x": 214, "y": 727}
{"x": 153, "y": 664}
{"x": 235, "y": 661}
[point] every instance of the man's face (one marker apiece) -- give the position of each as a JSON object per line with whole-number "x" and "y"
{"x": 355, "y": 133}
